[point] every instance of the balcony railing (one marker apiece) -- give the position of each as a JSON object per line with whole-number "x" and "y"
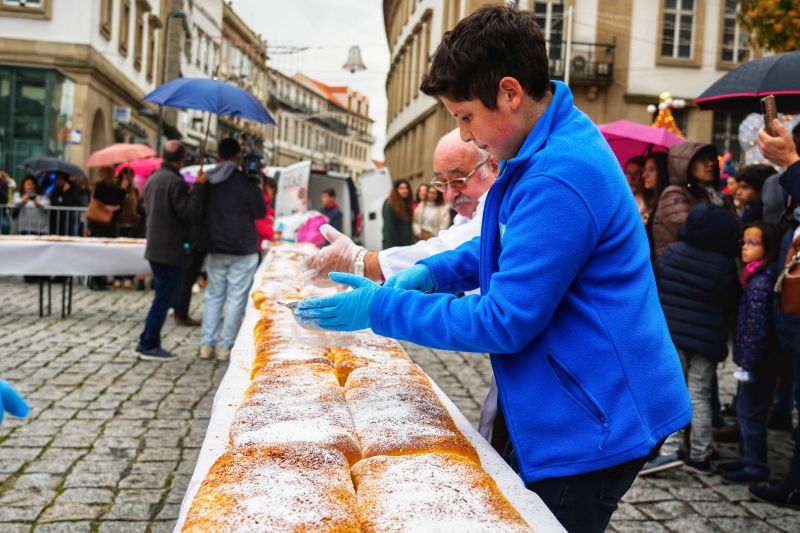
{"x": 590, "y": 63}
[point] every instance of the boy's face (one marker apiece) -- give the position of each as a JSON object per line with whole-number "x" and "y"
{"x": 745, "y": 193}
{"x": 488, "y": 130}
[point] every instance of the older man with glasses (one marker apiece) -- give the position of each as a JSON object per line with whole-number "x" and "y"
{"x": 464, "y": 174}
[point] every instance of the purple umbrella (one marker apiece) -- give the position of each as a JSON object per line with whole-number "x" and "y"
{"x": 630, "y": 139}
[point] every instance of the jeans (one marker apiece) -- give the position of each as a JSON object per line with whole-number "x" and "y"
{"x": 794, "y": 466}
{"x": 166, "y": 279}
{"x": 188, "y": 278}
{"x": 229, "y": 279}
{"x": 752, "y": 405}
{"x": 585, "y": 502}
{"x": 699, "y": 372}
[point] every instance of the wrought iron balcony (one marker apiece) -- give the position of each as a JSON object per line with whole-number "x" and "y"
{"x": 589, "y": 63}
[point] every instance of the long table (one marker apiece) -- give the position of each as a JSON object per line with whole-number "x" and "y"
{"x": 52, "y": 255}
{"x": 231, "y": 394}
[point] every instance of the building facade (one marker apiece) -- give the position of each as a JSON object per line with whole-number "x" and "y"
{"x": 73, "y": 74}
{"x": 328, "y": 125}
{"x": 623, "y": 55}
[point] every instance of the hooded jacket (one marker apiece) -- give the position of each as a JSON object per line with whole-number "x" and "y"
{"x": 754, "y": 337}
{"x": 234, "y": 204}
{"x": 698, "y": 284}
{"x": 682, "y": 193}
{"x": 587, "y": 374}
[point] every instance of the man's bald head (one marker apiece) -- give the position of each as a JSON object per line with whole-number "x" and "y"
{"x": 175, "y": 153}
{"x": 453, "y": 159}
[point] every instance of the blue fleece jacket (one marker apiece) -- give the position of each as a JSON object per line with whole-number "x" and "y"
{"x": 587, "y": 373}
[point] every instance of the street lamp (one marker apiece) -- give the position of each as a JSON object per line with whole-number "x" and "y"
{"x": 181, "y": 15}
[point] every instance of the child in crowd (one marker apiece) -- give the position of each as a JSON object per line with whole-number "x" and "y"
{"x": 752, "y": 343}
{"x": 749, "y": 181}
{"x": 698, "y": 288}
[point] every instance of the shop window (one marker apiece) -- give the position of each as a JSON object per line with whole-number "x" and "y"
{"x": 106, "y": 18}
{"x": 124, "y": 27}
{"x": 677, "y": 29}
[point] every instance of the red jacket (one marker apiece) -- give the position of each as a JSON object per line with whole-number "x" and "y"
{"x": 264, "y": 226}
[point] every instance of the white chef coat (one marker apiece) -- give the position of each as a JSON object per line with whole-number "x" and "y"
{"x": 393, "y": 260}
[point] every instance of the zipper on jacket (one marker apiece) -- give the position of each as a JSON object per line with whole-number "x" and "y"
{"x": 574, "y": 389}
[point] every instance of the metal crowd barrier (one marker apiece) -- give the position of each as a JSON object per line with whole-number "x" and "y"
{"x": 45, "y": 220}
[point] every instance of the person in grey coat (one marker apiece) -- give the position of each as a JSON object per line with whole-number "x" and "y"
{"x": 170, "y": 208}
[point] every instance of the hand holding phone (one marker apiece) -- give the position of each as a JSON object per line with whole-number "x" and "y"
{"x": 770, "y": 113}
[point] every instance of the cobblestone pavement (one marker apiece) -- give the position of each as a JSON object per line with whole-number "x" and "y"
{"x": 111, "y": 441}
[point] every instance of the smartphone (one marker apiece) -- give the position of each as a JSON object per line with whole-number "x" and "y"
{"x": 770, "y": 112}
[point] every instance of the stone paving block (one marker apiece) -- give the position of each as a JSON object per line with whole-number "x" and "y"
{"x": 789, "y": 523}
{"x": 692, "y": 524}
{"x": 40, "y": 428}
{"x": 694, "y": 494}
{"x": 128, "y": 511}
{"x": 144, "y": 481}
{"x": 163, "y": 526}
{"x": 16, "y": 528}
{"x": 627, "y": 511}
{"x": 92, "y": 479}
{"x": 38, "y": 481}
{"x": 74, "y": 440}
{"x": 639, "y": 495}
{"x": 64, "y": 527}
{"x": 20, "y": 514}
{"x": 27, "y": 496}
{"x": 144, "y": 496}
{"x": 159, "y": 454}
{"x": 750, "y": 525}
{"x": 162, "y": 467}
{"x": 55, "y": 461}
{"x": 94, "y": 414}
{"x": 26, "y": 454}
{"x": 11, "y": 465}
{"x": 123, "y": 527}
{"x": 170, "y": 511}
{"x": 766, "y": 510}
{"x": 732, "y": 493}
{"x": 628, "y": 526}
{"x": 86, "y": 495}
{"x": 664, "y": 510}
{"x": 718, "y": 509}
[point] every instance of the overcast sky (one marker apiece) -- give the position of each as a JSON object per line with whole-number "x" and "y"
{"x": 328, "y": 29}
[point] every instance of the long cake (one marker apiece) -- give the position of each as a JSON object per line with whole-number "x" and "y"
{"x": 396, "y": 412}
{"x": 279, "y": 488}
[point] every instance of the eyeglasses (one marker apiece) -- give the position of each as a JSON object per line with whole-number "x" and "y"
{"x": 455, "y": 182}
{"x": 750, "y": 242}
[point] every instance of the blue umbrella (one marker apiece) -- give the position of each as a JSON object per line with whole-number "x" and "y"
{"x": 210, "y": 95}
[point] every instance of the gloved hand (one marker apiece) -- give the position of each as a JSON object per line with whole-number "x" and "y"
{"x": 415, "y": 278}
{"x": 11, "y": 401}
{"x": 346, "y": 311}
{"x": 339, "y": 256}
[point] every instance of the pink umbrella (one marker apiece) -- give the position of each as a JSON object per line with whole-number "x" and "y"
{"x": 630, "y": 139}
{"x": 119, "y": 153}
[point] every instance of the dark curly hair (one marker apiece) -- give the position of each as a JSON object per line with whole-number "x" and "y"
{"x": 488, "y": 45}
{"x": 404, "y": 207}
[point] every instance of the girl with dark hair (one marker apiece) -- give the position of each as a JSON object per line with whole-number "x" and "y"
{"x": 752, "y": 343}
{"x": 655, "y": 178}
{"x": 398, "y": 211}
{"x": 431, "y": 215}
{"x": 422, "y": 194}
{"x": 30, "y": 208}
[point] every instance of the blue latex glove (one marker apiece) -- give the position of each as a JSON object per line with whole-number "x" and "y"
{"x": 11, "y": 401}
{"x": 346, "y": 311}
{"x": 415, "y": 278}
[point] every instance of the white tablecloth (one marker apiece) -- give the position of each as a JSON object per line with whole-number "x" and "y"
{"x": 231, "y": 394}
{"x": 71, "y": 256}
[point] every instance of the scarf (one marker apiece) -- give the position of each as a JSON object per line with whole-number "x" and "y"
{"x": 748, "y": 271}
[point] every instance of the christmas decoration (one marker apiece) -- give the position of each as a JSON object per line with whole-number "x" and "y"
{"x": 665, "y": 119}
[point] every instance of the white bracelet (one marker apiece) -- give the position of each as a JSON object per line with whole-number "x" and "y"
{"x": 358, "y": 264}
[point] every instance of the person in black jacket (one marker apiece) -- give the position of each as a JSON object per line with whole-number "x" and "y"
{"x": 170, "y": 208}
{"x": 64, "y": 194}
{"x": 234, "y": 204}
{"x": 698, "y": 288}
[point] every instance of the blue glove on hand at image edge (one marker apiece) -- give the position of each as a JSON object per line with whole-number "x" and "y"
{"x": 11, "y": 401}
{"x": 415, "y": 278}
{"x": 347, "y": 311}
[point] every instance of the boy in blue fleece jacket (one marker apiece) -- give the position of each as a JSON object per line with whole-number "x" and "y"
{"x": 589, "y": 380}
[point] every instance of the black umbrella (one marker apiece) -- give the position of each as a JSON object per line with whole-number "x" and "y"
{"x": 51, "y": 164}
{"x": 741, "y": 89}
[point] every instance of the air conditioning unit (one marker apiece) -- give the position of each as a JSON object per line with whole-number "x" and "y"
{"x": 578, "y": 65}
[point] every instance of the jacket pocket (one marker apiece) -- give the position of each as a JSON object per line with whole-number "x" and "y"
{"x": 581, "y": 397}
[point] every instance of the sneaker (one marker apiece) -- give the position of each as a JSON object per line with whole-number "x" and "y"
{"x": 661, "y": 463}
{"x": 223, "y": 353}
{"x": 741, "y": 476}
{"x": 206, "y": 351}
{"x": 188, "y": 322}
{"x": 779, "y": 493}
{"x": 155, "y": 354}
{"x": 699, "y": 467}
